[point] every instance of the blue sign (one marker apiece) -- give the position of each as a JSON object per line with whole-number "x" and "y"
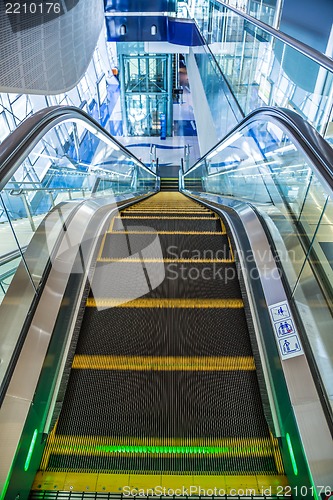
{"x": 290, "y": 345}
{"x": 285, "y": 331}
{"x": 163, "y": 126}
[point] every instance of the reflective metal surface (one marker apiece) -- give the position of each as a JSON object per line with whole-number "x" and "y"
{"x": 263, "y": 66}
{"x": 282, "y": 166}
{"x": 53, "y": 161}
{"x": 79, "y": 237}
{"x": 306, "y": 404}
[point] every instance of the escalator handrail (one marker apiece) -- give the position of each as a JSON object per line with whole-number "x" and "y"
{"x": 17, "y": 146}
{"x": 312, "y": 143}
{"x": 318, "y": 57}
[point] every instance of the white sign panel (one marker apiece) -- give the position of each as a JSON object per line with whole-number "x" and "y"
{"x": 285, "y": 331}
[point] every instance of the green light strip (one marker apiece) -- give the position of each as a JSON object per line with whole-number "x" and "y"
{"x": 31, "y": 449}
{"x": 291, "y": 453}
{"x": 4, "y": 490}
{"x": 169, "y": 450}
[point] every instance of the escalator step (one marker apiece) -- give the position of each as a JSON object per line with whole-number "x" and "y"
{"x": 162, "y": 363}
{"x": 192, "y": 224}
{"x": 168, "y": 216}
{"x": 158, "y": 280}
{"x": 175, "y": 332}
{"x": 183, "y": 419}
{"x": 202, "y": 464}
{"x": 183, "y": 405}
{"x": 174, "y": 246}
{"x": 163, "y": 379}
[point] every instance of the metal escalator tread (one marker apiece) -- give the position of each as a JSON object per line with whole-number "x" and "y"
{"x": 163, "y": 380}
{"x": 157, "y": 332}
{"x": 198, "y": 280}
{"x": 145, "y": 214}
{"x": 172, "y": 246}
{"x": 179, "y": 398}
{"x": 188, "y": 464}
{"x": 196, "y": 223}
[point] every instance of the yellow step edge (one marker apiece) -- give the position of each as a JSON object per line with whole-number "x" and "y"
{"x": 166, "y": 303}
{"x": 163, "y": 363}
{"x": 159, "y": 214}
{"x": 175, "y": 206}
{"x": 223, "y": 226}
{"x": 230, "y": 249}
{"x": 232, "y": 442}
{"x": 167, "y": 218}
{"x": 160, "y": 196}
{"x": 49, "y": 447}
{"x": 160, "y": 484}
{"x": 175, "y": 210}
{"x": 190, "y": 233}
{"x": 101, "y": 446}
{"x": 169, "y": 205}
{"x": 100, "y": 252}
{"x": 163, "y": 212}
{"x": 163, "y": 202}
{"x": 277, "y": 454}
{"x": 166, "y": 206}
{"x": 111, "y": 224}
{"x": 166, "y": 211}
{"x": 166, "y": 260}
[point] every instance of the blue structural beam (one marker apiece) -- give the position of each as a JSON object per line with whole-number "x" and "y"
{"x": 152, "y": 28}
{"x": 183, "y": 32}
{"x": 136, "y": 28}
{"x": 140, "y": 5}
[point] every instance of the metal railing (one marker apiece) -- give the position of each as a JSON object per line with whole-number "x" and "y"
{"x": 262, "y": 66}
{"x": 85, "y": 162}
{"x": 281, "y": 166}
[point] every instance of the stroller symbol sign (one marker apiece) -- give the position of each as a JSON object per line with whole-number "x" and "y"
{"x": 285, "y": 331}
{"x": 290, "y": 345}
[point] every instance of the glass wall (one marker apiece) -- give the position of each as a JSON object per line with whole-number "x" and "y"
{"x": 263, "y": 164}
{"x": 74, "y": 161}
{"x": 262, "y": 70}
{"x": 146, "y": 91}
{"x": 223, "y": 106}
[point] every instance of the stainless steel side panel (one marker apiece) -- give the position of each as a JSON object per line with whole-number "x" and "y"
{"x": 312, "y": 424}
{"x": 20, "y": 392}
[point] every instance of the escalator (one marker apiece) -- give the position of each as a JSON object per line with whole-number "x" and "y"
{"x": 164, "y": 375}
{"x": 163, "y": 389}
{"x": 142, "y": 361}
{"x": 168, "y": 177}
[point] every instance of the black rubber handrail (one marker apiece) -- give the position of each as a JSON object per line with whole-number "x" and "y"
{"x": 311, "y": 142}
{"x": 17, "y": 146}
